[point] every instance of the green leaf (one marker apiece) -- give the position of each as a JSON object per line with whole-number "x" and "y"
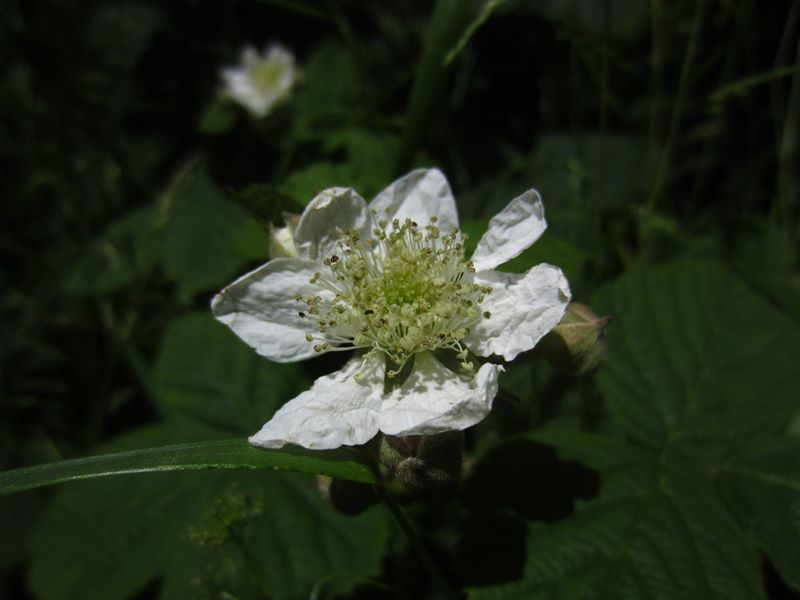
{"x": 218, "y": 454}
{"x": 331, "y": 87}
{"x": 765, "y": 257}
{"x": 207, "y": 375}
{"x": 218, "y": 118}
{"x": 762, "y": 489}
{"x": 695, "y": 358}
{"x": 243, "y": 533}
{"x": 367, "y": 169}
{"x": 656, "y": 531}
{"x": 595, "y": 450}
{"x": 19, "y": 514}
{"x": 266, "y": 204}
{"x": 129, "y": 249}
{"x": 208, "y": 239}
{"x": 303, "y": 184}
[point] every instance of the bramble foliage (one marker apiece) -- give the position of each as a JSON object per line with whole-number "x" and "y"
{"x": 662, "y": 137}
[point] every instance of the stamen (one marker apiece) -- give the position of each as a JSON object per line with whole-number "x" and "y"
{"x": 406, "y": 290}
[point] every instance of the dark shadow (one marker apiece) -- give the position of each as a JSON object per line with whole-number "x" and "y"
{"x": 491, "y": 549}
{"x": 529, "y": 479}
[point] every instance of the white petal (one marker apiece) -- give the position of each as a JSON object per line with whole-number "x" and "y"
{"x": 239, "y": 87}
{"x": 420, "y": 195}
{"x": 338, "y": 410}
{"x": 326, "y": 217}
{"x": 434, "y": 399}
{"x": 249, "y": 57}
{"x": 523, "y": 307}
{"x": 262, "y": 310}
{"x": 511, "y": 231}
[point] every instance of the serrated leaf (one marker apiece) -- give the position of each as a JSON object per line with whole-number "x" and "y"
{"x": 206, "y": 374}
{"x": 597, "y": 451}
{"x": 656, "y": 532}
{"x": 208, "y": 239}
{"x": 762, "y": 489}
{"x": 696, "y": 358}
{"x": 760, "y": 244}
{"x": 109, "y": 539}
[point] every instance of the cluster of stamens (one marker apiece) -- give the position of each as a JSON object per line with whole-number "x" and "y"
{"x": 405, "y": 290}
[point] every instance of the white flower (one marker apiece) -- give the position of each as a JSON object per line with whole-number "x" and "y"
{"x": 260, "y": 81}
{"x": 390, "y": 279}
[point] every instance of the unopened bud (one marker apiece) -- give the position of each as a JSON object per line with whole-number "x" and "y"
{"x": 281, "y": 240}
{"x": 423, "y": 463}
{"x": 348, "y": 497}
{"x": 577, "y": 344}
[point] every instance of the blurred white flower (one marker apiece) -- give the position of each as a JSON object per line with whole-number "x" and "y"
{"x": 390, "y": 279}
{"x": 260, "y": 81}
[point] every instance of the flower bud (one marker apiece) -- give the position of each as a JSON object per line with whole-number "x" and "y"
{"x": 281, "y": 240}
{"x": 348, "y": 497}
{"x": 423, "y": 463}
{"x": 577, "y": 344}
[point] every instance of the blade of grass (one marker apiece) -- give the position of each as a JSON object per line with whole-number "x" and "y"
{"x": 219, "y": 454}
{"x": 448, "y": 21}
{"x": 788, "y": 179}
{"x": 476, "y": 24}
{"x": 677, "y": 110}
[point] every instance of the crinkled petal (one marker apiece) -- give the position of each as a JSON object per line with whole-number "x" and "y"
{"x": 325, "y": 218}
{"x": 338, "y": 410}
{"x": 511, "y": 231}
{"x": 523, "y": 307}
{"x": 434, "y": 399}
{"x": 420, "y": 195}
{"x": 261, "y": 308}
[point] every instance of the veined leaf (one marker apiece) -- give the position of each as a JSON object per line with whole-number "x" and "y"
{"x": 762, "y": 489}
{"x": 207, "y": 238}
{"x": 220, "y": 454}
{"x": 656, "y": 531}
{"x": 205, "y": 374}
{"x": 696, "y": 359}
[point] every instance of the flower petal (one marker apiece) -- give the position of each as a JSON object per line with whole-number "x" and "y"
{"x": 511, "y": 231}
{"x": 239, "y": 87}
{"x": 523, "y": 307}
{"x": 434, "y": 399}
{"x": 325, "y": 218}
{"x": 338, "y": 410}
{"x": 261, "y": 308}
{"x": 420, "y": 195}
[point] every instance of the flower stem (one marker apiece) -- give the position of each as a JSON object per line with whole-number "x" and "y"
{"x": 422, "y": 552}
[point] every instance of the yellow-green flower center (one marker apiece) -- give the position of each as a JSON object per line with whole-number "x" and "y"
{"x": 405, "y": 290}
{"x": 266, "y": 74}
